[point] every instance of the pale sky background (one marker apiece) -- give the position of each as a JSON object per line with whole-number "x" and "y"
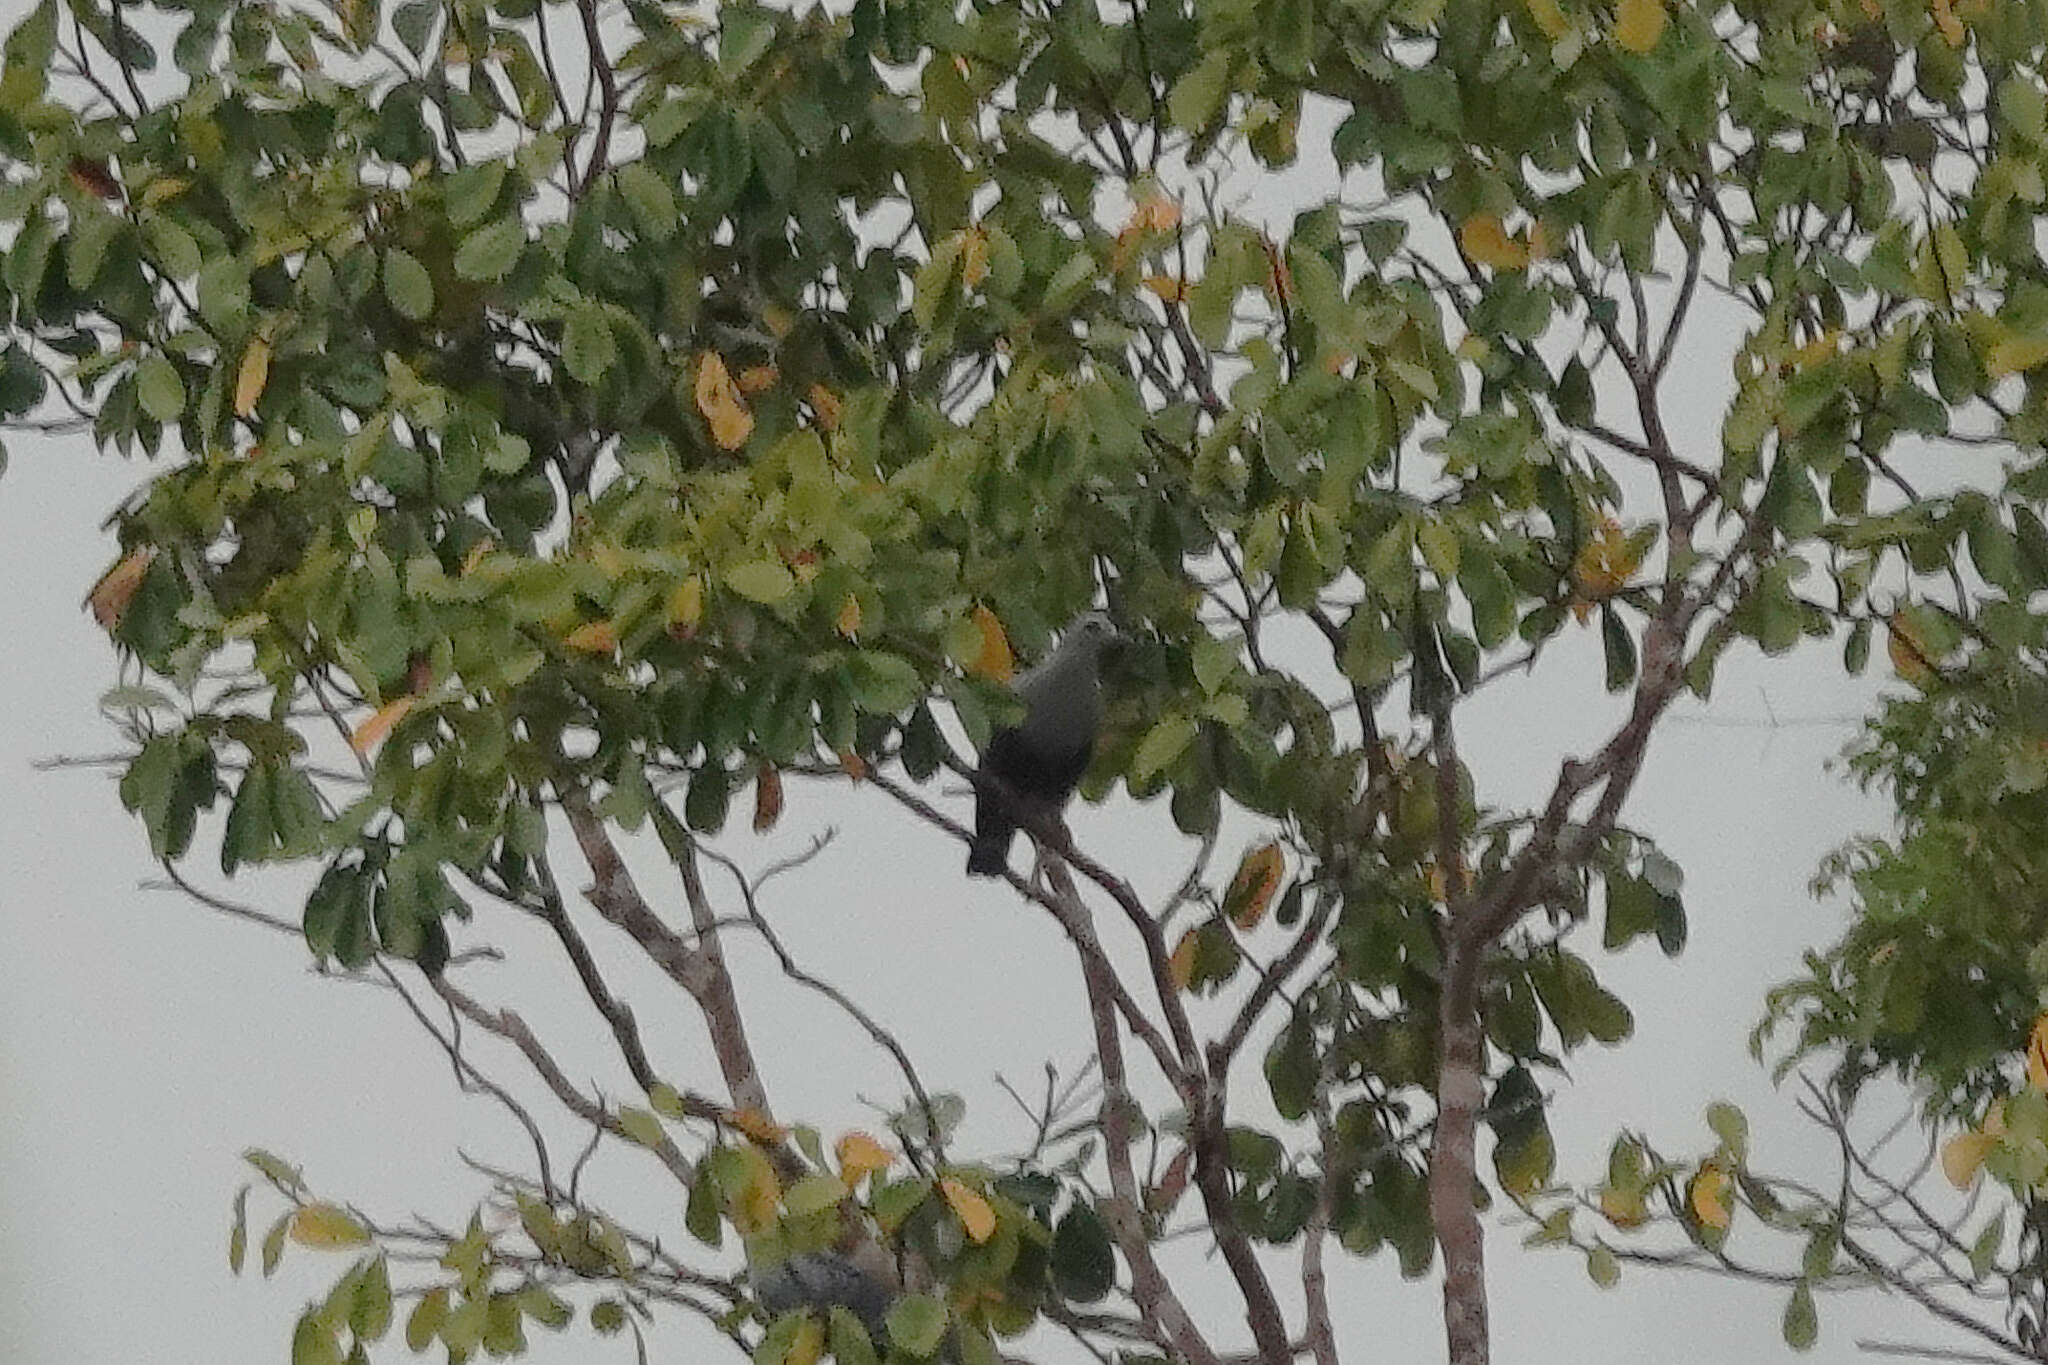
{"x": 145, "y": 1041}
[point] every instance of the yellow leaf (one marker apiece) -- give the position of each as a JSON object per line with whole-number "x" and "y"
{"x": 756, "y": 378}
{"x": 973, "y": 256}
{"x": 1155, "y": 211}
{"x": 1181, "y": 966}
{"x": 1171, "y": 288}
{"x": 975, "y": 1214}
{"x": 1709, "y": 1197}
{"x": 253, "y": 375}
{"x": 1909, "y": 653}
{"x": 1821, "y": 348}
{"x": 756, "y": 1208}
{"x": 827, "y": 406}
{"x": 1638, "y": 24}
{"x": 1486, "y": 241}
{"x": 686, "y": 605}
{"x": 110, "y": 596}
{"x": 1624, "y": 1210}
{"x": 994, "y": 661}
{"x": 1252, "y": 886}
{"x": 1550, "y": 19}
{"x": 372, "y": 732}
{"x": 163, "y": 189}
{"x": 1604, "y": 566}
{"x": 1945, "y": 20}
{"x": 718, "y": 398}
{"x": 2037, "y": 1054}
{"x": 852, "y": 764}
{"x": 757, "y": 1126}
{"x": 593, "y": 637}
{"x": 1539, "y": 241}
{"x": 476, "y": 554}
{"x": 1962, "y": 1156}
{"x": 767, "y": 798}
{"x": 807, "y": 1347}
{"x": 1439, "y": 885}
{"x": 860, "y": 1156}
{"x": 326, "y": 1227}
{"x": 848, "y": 621}
{"x": 2014, "y": 355}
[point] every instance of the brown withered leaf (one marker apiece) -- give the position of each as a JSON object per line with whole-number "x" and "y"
{"x": 767, "y": 798}
{"x": 110, "y": 596}
{"x": 1252, "y": 887}
{"x": 373, "y": 731}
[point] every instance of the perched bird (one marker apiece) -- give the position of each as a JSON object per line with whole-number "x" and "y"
{"x": 861, "y": 1279}
{"x": 1042, "y": 756}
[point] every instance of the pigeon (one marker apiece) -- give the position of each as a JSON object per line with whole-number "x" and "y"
{"x": 1040, "y": 758}
{"x": 830, "y": 1279}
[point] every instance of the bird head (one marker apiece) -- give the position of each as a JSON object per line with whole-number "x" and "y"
{"x": 1093, "y": 633}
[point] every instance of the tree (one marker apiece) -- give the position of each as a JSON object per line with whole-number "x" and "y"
{"x": 569, "y": 417}
{"x": 1937, "y": 989}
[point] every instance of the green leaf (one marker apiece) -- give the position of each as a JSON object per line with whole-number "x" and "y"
{"x": 370, "y": 1317}
{"x": 1293, "y": 1069}
{"x": 588, "y": 348}
{"x": 1602, "y": 1267}
{"x": 1730, "y": 1125}
{"x": 1620, "y": 648}
{"x": 223, "y": 292}
{"x": 172, "y": 246}
{"x": 472, "y": 193}
{"x": 642, "y": 1127}
{"x": 700, "y": 1218}
{"x": 489, "y": 253}
{"x": 1984, "y": 1250}
{"x": 33, "y": 41}
{"x": 273, "y": 1242}
{"x": 238, "y": 1233}
{"x": 1288, "y": 28}
{"x": 1574, "y": 399}
{"x": 1801, "y": 1322}
{"x": 544, "y": 1306}
{"x": 1197, "y": 97}
{"x": 705, "y": 804}
{"x": 649, "y": 197}
{"x": 1163, "y": 743}
{"x": 1083, "y": 1265}
{"x": 608, "y": 1317}
{"x": 426, "y": 1318}
{"x": 813, "y": 1194}
{"x": 414, "y": 24}
{"x": 848, "y": 1339}
{"x": 916, "y": 1322}
{"x": 158, "y": 388}
{"x": 745, "y": 34}
{"x": 313, "y": 1342}
{"x": 407, "y": 285}
{"x": 761, "y": 580}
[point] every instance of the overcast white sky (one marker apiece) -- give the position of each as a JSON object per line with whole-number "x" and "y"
{"x": 144, "y": 1042}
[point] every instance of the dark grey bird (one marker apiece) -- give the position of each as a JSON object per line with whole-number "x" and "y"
{"x": 1040, "y": 758}
{"x": 860, "y": 1279}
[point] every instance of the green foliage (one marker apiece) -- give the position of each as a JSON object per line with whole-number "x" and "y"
{"x": 627, "y": 459}
{"x": 1939, "y": 978}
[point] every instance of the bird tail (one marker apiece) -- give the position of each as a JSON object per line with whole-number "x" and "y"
{"x": 989, "y": 854}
